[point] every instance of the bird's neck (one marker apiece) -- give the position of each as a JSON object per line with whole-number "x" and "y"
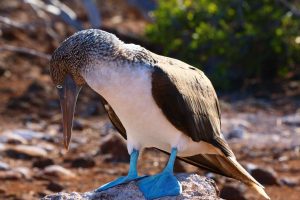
{"x": 108, "y": 78}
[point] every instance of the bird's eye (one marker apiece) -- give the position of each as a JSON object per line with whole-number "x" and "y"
{"x": 59, "y": 86}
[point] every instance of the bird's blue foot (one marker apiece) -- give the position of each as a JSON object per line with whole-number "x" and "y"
{"x": 132, "y": 174}
{"x": 162, "y": 184}
{"x": 118, "y": 181}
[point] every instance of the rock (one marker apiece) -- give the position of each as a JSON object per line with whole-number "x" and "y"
{"x": 10, "y": 175}
{"x": 107, "y": 128}
{"x": 193, "y": 186}
{"x": 219, "y": 179}
{"x": 42, "y": 163}
{"x": 55, "y": 187}
{"x": 27, "y": 134}
{"x": 289, "y": 182}
{"x": 83, "y": 162}
{"x": 26, "y": 172}
{"x": 236, "y": 133}
{"x": 232, "y": 192}
{"x": 179, "y": 166}
{"x": 77, "y": 125}
{"x": 292, "y": 120}
{"x": 79, "y": 140}
{"x": 40, "y": 126}
{"x": 2, "y": 71}
{"x": 2, "y": 147}
{"x": 25, "y": 152}
{"x": 46, "y": 145}
{"x": 115, "y": 146}
{"x": 67, "y": 196}
{"x": 237, "y": 122}
{"x": 4, "y": 166}
{"x": 90, "y": 109}
{"x": 11, "y": 138}
{"x": 58, "y": 171}
{"x": 266, "y": 176}
{"x": 250, "y": 166}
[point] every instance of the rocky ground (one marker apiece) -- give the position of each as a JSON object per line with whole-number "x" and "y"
{"x": 130, "y": 191}
{"x": 263, "y": 132}
{"x": 34, "y": 162}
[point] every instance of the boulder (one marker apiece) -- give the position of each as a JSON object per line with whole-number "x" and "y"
{"x": 266, "y": 176}
{"x": 58, "y": 171}
{"x": 193, "y": 187}
{"x": 25, "y": 152}
{"x": 233, "y": 192}
{"x": 115, "y": 148}
{"x": 83, "y": 162}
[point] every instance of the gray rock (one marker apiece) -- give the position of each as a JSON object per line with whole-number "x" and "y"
{"x": 193, "y": 186}
{"x": 16, "y": 173}
{"x": 26, "y": 172}
{"x": 25, "y": 152}
{"x": 28, "y": 134}
{"x": 10, "y": 175}
{"x": 36, "y": 126}
{"x": 106, "y": 129}
{"x": 77, "y": 125}
{"x": 11, "y": 138}
{"x": 250, "y": 166}
{"x": 292, "y": 120}
{"x": 290, "y": 182}
{"x": 2, "y": 147}
{"x": 237, "y": 132}
{"x": 90, "y": 109}
{"x": 58, "y": 171}
{"x": 46, "y": 145}
{"x": 4, "y": 166}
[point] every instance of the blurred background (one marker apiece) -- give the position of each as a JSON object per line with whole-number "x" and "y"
{"x": 250, "y": 50}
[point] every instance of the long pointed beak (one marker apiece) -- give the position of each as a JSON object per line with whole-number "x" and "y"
{"x": 68, "y": 94}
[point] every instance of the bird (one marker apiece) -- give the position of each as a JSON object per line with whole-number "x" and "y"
{"x": 153, "y": 101}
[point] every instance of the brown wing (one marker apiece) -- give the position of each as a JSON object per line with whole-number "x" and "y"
{"x": 189, "y": 101}
{"x": 113, "y": 118}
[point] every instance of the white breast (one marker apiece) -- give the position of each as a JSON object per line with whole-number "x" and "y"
{"x": 128, "y": 90}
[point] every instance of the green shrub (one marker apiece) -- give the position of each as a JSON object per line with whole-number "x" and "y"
{"x": 236, "y": 40}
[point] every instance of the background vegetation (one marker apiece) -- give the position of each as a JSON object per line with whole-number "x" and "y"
{"x": 234, "y": 41}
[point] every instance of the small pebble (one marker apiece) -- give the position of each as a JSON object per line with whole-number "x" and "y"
{"x": 58, "y": 171}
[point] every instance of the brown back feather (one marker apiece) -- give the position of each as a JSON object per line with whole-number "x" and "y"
{"x": 188, "y": 100}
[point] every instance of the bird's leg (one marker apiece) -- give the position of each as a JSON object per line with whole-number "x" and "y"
{"x": 162, "y": 184}
{"x": 132, "y": 173}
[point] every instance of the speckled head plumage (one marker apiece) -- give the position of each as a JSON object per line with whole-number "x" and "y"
{"x": 69, "y": 61}
{"x": 80, "y": 50}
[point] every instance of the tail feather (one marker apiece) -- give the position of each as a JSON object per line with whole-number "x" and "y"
{"x": 260, "y": 190}
{"x": 227, "y": 166}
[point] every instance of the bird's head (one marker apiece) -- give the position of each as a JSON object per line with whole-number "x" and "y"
{"x": 68, "y": 63}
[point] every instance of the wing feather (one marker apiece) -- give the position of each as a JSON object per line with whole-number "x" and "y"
{"x": 189, "y": 101}
{"x": 114, "y": 118}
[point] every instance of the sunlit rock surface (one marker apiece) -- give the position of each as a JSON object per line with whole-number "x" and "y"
{"x": 193, "y": 186}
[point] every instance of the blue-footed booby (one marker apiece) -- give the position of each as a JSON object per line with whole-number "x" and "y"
{"x": 153, "y": 101}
